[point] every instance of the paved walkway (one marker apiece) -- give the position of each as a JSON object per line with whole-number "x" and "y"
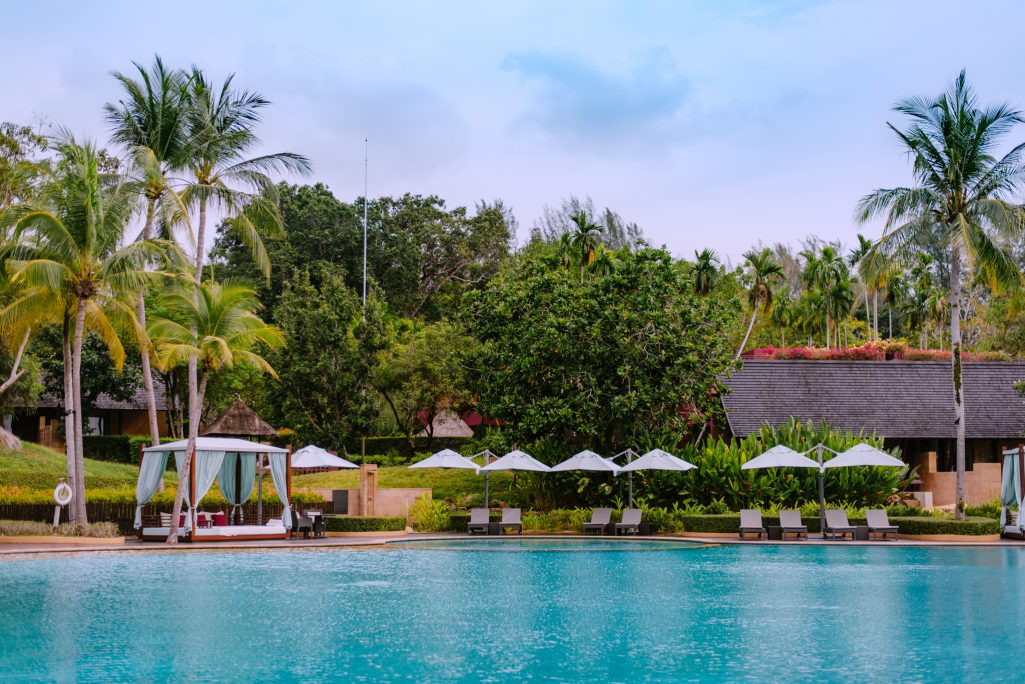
{"x": 354, "y": 543}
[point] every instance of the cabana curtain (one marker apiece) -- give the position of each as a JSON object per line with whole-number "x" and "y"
{"x": 279, "y": 472}
{"x": 237, "y": 493}
{"x": 1010, "y": 489}
{"x": 208, "y": 464}
{"x": 152, "y": 469}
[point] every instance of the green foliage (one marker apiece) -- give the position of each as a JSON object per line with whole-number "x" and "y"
{"x": 461, "y": 487}
{"x": 428, "y": 515}
{"x": 358, "y": 524}
{"x": 38, "y": 468}
{"x": 914, "y": 525}
{"x": 990, "y": 509}
{"x": 26, "y": 528}
{"x": 118, "y": 448}
{"x": 457, "y": 522}
{"x": 595, "y": 358}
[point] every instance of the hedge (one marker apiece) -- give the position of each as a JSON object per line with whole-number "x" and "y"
{"x": 730, "y": 523}
{"x": 457, "y": 522}
{"x": 356, "y": 524}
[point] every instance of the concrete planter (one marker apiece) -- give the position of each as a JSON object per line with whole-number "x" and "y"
{"x": 958, "y": 538}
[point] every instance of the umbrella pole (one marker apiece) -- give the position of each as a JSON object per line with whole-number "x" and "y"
{"x": 822, "y": 495}
{"x": 259, "y": 492}
{"x": 630, "y": 480}
{"x": 486, "y": 499}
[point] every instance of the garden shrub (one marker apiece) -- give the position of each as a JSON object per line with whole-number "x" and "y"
{"x": 23, "y": 528}
{"x": 428, "y": 515}
{"x": 359, "y": 524}
{"x": 905, "y": 525}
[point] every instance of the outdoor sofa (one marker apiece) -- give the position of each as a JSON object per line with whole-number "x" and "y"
{"x": 600, "y": 519}
{"x": 751, "y": 523}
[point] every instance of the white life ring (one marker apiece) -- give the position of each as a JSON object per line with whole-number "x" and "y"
{"x": 62, "y": 494}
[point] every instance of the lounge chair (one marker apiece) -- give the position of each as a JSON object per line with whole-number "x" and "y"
{"x": 836, "y": 523}
{"x": 790, "y": 522}
{"x": 631, "y": 522}
{"x": 879, "y": 523}
{"x": 751, "y": 523}
{"x": 600, "y": 519}
{"x": 510, "y": 520}
{"x": 480, "y": 518}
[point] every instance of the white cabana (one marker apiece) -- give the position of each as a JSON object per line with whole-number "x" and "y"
{"x": 446, "y": 458}
{"x": 1012, "y": 493}
{"x": 517, "y": 460}
{"x": 863, "y": 455}
{"x": 780, "y": 456}
{"x": 656, "y": 459}
{"x": 209, "y": 464}
{"x": 315, "y": 457}
{"x": 586, "y": 460}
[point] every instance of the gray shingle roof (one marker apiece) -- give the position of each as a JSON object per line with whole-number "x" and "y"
{"x": 897, "y": 399}
{"x": 105, "y": 403}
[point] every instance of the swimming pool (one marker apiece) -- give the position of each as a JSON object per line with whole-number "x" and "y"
{"x": 738, "y": 613}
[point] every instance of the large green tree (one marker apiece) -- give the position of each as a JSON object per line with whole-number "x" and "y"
{"x": 597, "y": 359}
{"x": 963, "y": 199}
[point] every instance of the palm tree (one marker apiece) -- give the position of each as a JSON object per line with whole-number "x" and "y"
{"x": 782, "y": 314}
{"x": 150, "y": 124}
{"x": 960, "y": 201}
{"x": 217, "y": 326}
{"x": 896, "y": 293}
{"x": 586, "y": 238}
{"x": 872, "y": 269}
{"x": 73, "y": 269}
{"x": 825, "y": 271}
{"x": 764, "y": 273}
{"x": 706, "y": 271}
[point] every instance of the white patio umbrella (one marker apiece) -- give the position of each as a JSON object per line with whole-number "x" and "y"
{"x": 314, "y": 457}
{"x": 586, "y": 460}
{"x": 863, "y": 455}
{"x": 656, "y": 459}
{"x": 446, "y": 458}
{"x": 517, "y": 460}
{"x": 781, "y": 456}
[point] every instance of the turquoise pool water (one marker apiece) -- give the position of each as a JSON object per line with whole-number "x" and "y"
{"x": 723, "y": 613}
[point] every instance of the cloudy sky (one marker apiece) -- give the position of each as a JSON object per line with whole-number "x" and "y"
{"x": 712, "y": 124}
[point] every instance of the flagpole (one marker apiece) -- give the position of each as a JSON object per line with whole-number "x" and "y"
{"x": 366, "y": 201}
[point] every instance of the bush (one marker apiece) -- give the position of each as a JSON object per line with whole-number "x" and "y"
{"x": 25, "y": 528}
{"x": 429, "y": 515}
{"x": 358, "y": 524}
{"x": 990, "y": 509}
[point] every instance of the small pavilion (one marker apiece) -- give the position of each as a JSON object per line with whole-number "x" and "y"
{"x": 240, "y": 422}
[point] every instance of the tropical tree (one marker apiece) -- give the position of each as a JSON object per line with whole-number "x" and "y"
{"x": 586, "y": 239}
{"x": 826, "y": 271}
{"x": 706, "y": 271}
{"x": 217, "y": 326}
{"x": 75, "y": 271}
{"x": 783, "y": 314}
{"x": 763, "y": 273}
{"x": 872, "y": 269}
{"x": 960, "y": 200}
{"x": 149, "y": 123}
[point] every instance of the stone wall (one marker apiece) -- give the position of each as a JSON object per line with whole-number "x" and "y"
{"x": 982, "y": 483}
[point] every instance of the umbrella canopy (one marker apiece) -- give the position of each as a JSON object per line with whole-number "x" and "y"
{"x": 517, "y": 460}
{"x": 314, "y": 457}
{"x": 656, "y": 459}
{"x": 446, "y": 458}
{"x": 780, "y": 456}
{"x": 587, "y": 460}
{"x": 863, "y": 455}
{"x": 219, "y": 444}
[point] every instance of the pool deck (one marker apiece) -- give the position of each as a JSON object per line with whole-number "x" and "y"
{"x": 352, "y": 543}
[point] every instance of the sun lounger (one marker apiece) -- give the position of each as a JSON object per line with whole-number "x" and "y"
{"x": 631, "y": 522}
{"x": 790, "y": 522}
{"x": 879, "y": 523}
{"x": 751, "y": 523}
{"x": 479, "y": 520}
{"x": 836, "y": 523}
{"x": 511, "y": 520}
{"x": 600, "y": 519}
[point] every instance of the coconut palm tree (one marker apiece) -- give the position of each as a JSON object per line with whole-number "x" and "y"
{"x": 763, "y": 273}
{"x": 896, "y": 293}
{"x": 586, "y": 238}
{"x": 825, "y": 271}
{"x": 783, "y": 314}
{"x": 217, "y": 326}
{"x": 872, "y": 269}
{"x": 150, "y": 124}
{"x": 73, "y": 269}
{"x": 706, "y": 271}
{"x": 960, "y": 200}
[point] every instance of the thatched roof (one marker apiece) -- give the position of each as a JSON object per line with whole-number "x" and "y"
{"x": 448, "y": 424}
{"x": 239, "y": 421}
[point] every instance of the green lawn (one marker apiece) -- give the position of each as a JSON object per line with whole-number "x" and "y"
{"x": 462, "y": 486}
{"x": 36, "y": 467}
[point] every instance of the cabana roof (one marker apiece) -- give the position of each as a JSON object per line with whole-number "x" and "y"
{"x": 239, "y": 421}
{"x": 228, "y": 444}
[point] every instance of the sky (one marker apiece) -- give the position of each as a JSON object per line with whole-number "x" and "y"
{"x": 710, "y": 124}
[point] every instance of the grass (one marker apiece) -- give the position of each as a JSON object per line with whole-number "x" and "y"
{"x": 461, "y": 486}
{"x": 37, "y": 467}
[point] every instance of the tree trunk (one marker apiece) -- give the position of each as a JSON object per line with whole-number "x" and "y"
{"x": 69, "y": 419}
{"x": 76, "y": 376}
{"x": 889, "y": 314}
{"x": 147, "y": 374}
{"x": 196, "y": 391}
{"x": 868, "y": 317}
{"x": 875, "y": 312}
{"x": 750, "y": 326}
{"x": 955, "y": 367}
{"x": 829, "y": 329}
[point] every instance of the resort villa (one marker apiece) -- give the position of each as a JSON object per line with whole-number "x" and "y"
{"x": 908, "y": 403}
